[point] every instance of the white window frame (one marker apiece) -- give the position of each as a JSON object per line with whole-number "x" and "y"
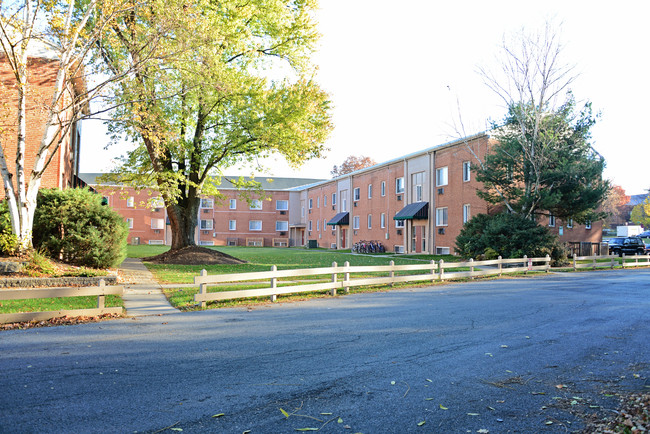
{"x": 317, "y": 201}
{"x": 442, "y": 216}
{"x": 158, "y": 224}
{"x": 467, "y": 209}
{"x": 130, "y": 202}
{"x": 442, "y": 176}
{"x": 129, "y": 222}
{"x": 310, "y": 203}
{"x": 281, "y": 201}
{"x": 333, "y": 199}
{"x": 369, "y": 221}
{"x": 356, "y": 222}
{"x": 588, "y": 225}
{"x": 399, "y": 224}
{"x": 252, "y": 225}
{"x": 356, "y": 194}
{"x": 382, "y": 220}
{"x": 369, "y": 191}
{"x": 281, "y": 226}
{"x": 157, "y": 202}
{"x": 418, "y": 193}
{"x": 317, "y": 225}
{"x": 324, "y": 200}
{"x": 206, "y": 224}
{"x": 551, "y": 221}
{"x": 232, "y": 204}
{"x": 467, "y": 173}
{"x": 255, "y": 205}
{"x": 309, "y": 226}
{"x": 383, "y": 188}
{"x": 399, "y": 185}
{"x": 207, "y": 201}
{"x": 569, "y": 223}
{"x": 232, "y": 225}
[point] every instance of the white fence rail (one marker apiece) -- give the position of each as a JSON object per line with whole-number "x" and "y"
{"x": 101, "y": 291}
{"x": 433, "y": 271}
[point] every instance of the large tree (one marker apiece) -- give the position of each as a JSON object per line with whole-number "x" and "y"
{"x": 641, "y": 213}
{"x": 351, "y": 164}
{"x": 614, "y": 206}
{"x": 233, "y": 85}
{"x": 65, "y": 31}
{"x": 542, "y": 162}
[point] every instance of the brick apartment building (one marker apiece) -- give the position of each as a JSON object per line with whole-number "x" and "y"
{"x": 416, "y": 203}
{"x": 43, "y": 63}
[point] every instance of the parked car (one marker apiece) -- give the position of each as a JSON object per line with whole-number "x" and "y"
{"x": 627, "y": 245}
{"x": 644, "y": 234}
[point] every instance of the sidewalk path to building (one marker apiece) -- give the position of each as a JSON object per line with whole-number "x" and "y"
{"x": 142, "y": 294}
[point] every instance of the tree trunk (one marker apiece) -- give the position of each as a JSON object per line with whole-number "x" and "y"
{"x": 183, "y": 221}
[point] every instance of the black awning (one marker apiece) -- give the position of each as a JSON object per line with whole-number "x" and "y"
{"x": 414, "y": 211}
{"x": 340, "y": 219}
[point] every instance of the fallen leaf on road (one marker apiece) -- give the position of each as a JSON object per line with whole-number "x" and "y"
{"x": 561, "y": 386}
{"x": 284, "y": 413}
{"x": 306, "y": 429}
{"x": 422, "y": 423}
{"x": 473, "y": 414}
{"x": 443, "y": 407}
{"x": 218, "y": 415}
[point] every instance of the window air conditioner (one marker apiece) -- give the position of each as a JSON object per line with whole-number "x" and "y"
{"x": 283, "y": 213}
{"x": 399, "y": 197}
{"x": 399, "y": 249}
{"x": 441, "y": 231}
{"x": 441, "y": 191}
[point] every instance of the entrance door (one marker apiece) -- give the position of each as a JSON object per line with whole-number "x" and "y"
{"x": 344, "y": 233}
{"x": 418, "y": 239}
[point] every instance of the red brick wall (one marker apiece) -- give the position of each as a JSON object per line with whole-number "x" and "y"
{"x": 42, "y": 74}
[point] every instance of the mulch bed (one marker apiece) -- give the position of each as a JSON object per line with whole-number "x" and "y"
{"x": 633, "y": 416}
{"x": 64, "y": 320}
{"x": 193, "y": 255}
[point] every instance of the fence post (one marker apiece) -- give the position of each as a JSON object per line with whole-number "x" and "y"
{"x": 334, "y": 265}
{"x": 203, "y": 288}
{"x": 500, "y": 266}
{"x": 593, "y": 264}
{"x": 548, "y": 263}
{"x": 274, "y": 283}
{"x": 101, "y": 299}
{"x": 392, "y": 273}
{"x": 613, "y": 262}
{"x": 574, "y": 262}
{"x": 526, "y": 264}
{"x": 346, "y": 277}
{"x": 433, "y": 271}
{"x": 623, "y": 260}
{"x": 471, "y": 268}
{"x": 441, "y": 264}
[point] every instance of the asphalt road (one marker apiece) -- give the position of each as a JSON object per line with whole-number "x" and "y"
{"x": 510, "y": 355}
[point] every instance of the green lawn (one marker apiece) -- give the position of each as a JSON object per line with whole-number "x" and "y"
{"x": 53, "y": 304}
{"x": 261, "y": 259}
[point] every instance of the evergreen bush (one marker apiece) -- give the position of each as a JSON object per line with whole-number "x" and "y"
{"x": 74, "y": 226}
{"x": 508, "y": 236}
{"x": 8, "y": 241}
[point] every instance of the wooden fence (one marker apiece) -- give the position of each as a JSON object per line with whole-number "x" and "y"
{"x": 101, "y": 291}
{"x": 611, "y": 261}
{"x": 433, "y": 272}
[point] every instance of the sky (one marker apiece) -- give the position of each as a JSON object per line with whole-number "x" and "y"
{"x": 400, "y": 74}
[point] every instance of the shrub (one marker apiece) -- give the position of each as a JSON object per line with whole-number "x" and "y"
{"x": 8, "y": 241}
{"x": 508, "y": 236}
{"x": 74, "y": 226}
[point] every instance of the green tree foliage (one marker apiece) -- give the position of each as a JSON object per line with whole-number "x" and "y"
{"x": 8, "y": 240}
{"x": 233, "y": 85}
{"x": 508, "y": 236}
{"x": 545, "y": 164}
{"x": 73, "y": 225}
{"x": 641, "y": 213}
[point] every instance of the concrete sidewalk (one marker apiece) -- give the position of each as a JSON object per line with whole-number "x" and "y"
{"x": 142, "y": 294}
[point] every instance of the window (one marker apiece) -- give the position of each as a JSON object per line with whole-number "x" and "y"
{"x": 309, "y": 226}
{"x": 318, "y": 202}
{"x": 466, "y": 213}
{"x": 357, "y": 194}
{"x": 441, "y": 176}
{"x": 588, "y": 225}
{"x": 417, "y": 181}
{"x": 317, "y": 225}
{"x": 333, "y": 198}
{"x": 369, "y": 191}
{"x": 442, "y": 250}
{"x": 232, "y": 225}
{"x": 325, "y": 225}
{"x": 441, "y": 216}
{"x": 399, "y": 185}
{"x": 256, "y": 204}
{"x": 369, "y": 221}
{"x": 355, "y": 222}
{"x": 418, "y": 193}
{"x": 551, "y": 220}
{"x": 466, "y": 171}
{"x": 281, "y": 226}
{"x": 324, "y": 200}
{"x": 207, "y": 225}
{"x": 129, "y": 221}
{"x": 399, "y": 223}
{"x": 382, "y": 220}
{"x": 255, "y": 225}
{"x": 157, "y": 202}
{"x": 233, "y": 204}
{"x": 344, "y": 200}
{"x": 282, "y": 205}
{"x": 207, "y": 203}
{"x": 302, "y": 210}
{"x": 157, "y": 223}
{"x": 569, "y": 223}
{"x": 130, "y": 202}
{"x": 383, "y": 188}
{"x": 311, "y": 203}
